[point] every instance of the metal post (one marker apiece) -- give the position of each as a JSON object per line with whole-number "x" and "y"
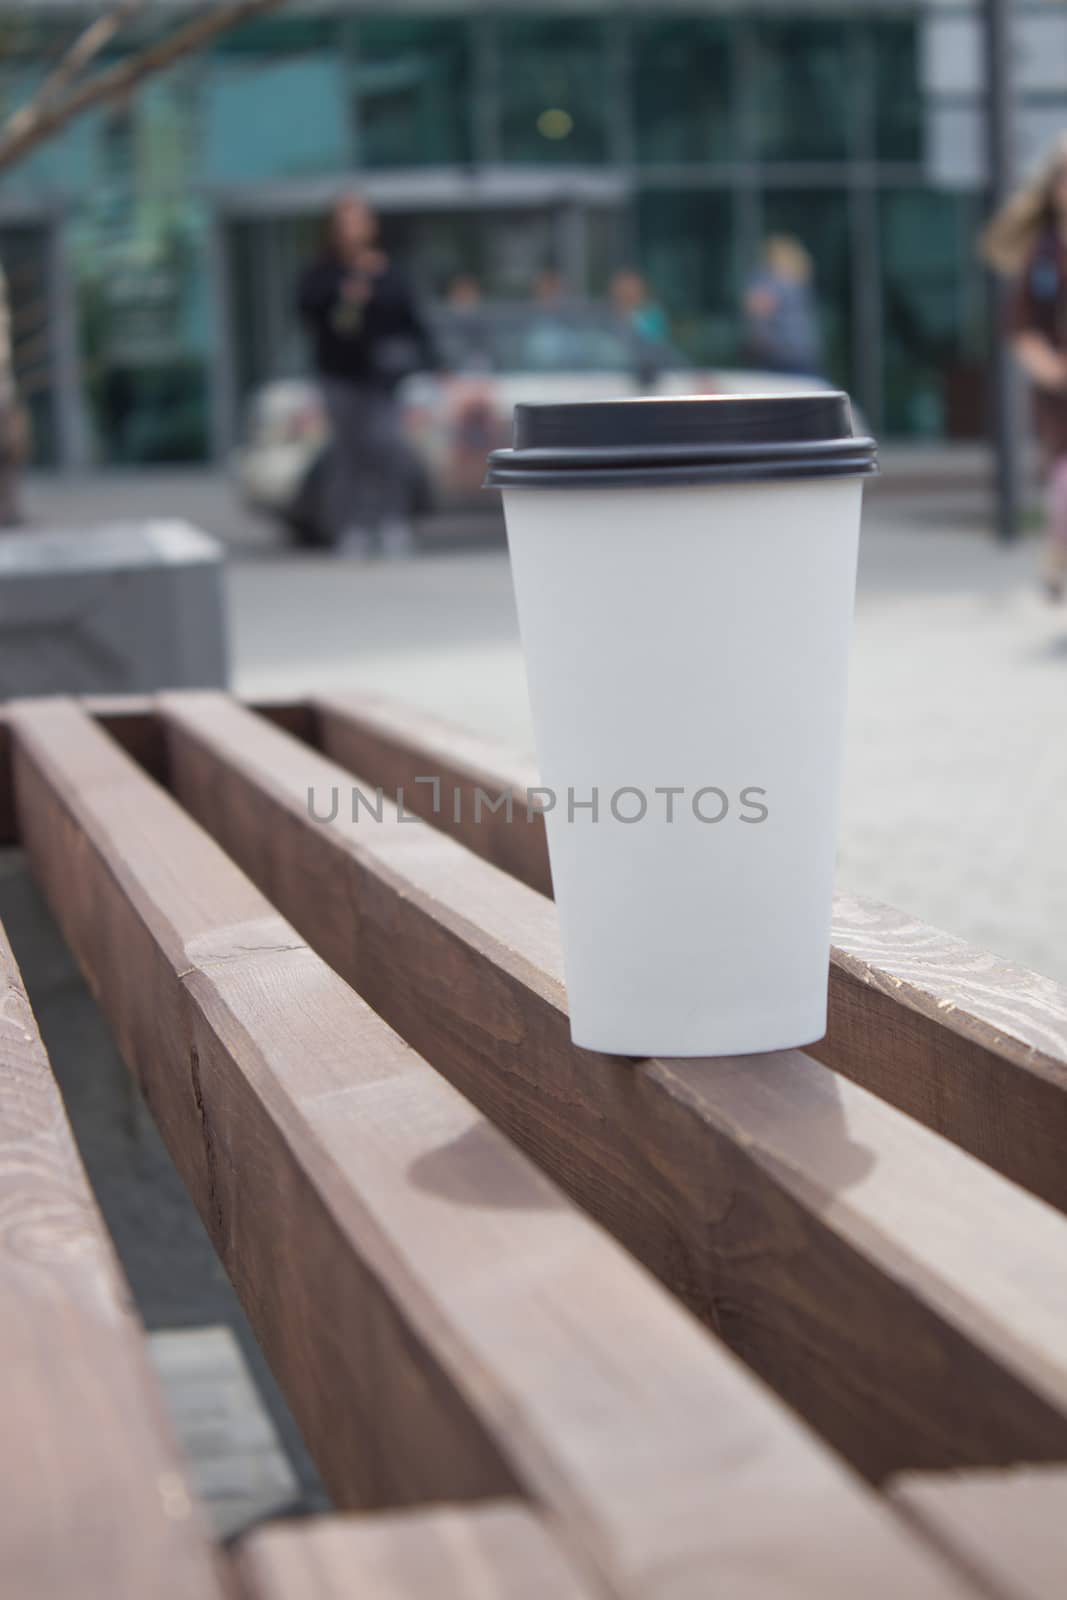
{"x": 1000, "y": 165}
{"x": 223, "y": 376}
{"x": 72, "y": 432}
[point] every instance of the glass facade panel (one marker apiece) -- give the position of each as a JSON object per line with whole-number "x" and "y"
{"x": 139, "y": 254}
{"x": 898, "y": 107}
{"x": 24, "y": 253}
{"x": 241, "y": 143}
{"x": 552, "y": 89}
{"x": 437, "y": 246}
{"x": 414, "y": 101}
{"x": 685, "y": 251}
{"x": 63, "y": 162}
{"x": 932, "y": 314}
{"x": 804, "y": 93}
{"x": 683, "y": 89}
{"x": 290, "y": 36}
{"x": 819, "y": 220}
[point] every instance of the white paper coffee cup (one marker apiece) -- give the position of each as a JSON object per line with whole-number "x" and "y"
{"x": 684, "y": 573}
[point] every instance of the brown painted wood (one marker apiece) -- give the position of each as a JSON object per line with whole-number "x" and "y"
{"x": 95, "y": 1501}
{"x": 444, "y": 1322}
{"x": 1007, "y": 1528}
{"x": 971, "y": 1045}
{"x": 295, "y": 716}
{"x": 132, "y": 721}
{"x": 401, "y": 749}
{"x": 498, "y": 1551}
{"x": 907, "y": 1300}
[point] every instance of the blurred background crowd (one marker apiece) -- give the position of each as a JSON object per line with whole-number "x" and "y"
{"x": 639, "y": 156}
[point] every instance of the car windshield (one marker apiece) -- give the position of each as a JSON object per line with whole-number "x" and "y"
{"x": 545, "y": 339}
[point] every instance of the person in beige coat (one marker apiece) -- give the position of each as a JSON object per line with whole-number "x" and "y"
{"x": 1027, "y": 243}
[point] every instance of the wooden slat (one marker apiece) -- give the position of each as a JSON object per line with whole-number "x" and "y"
{"x": 132, "y": 721}
{"x": 402, "y": 749}
{"x": 295, "y": 716}
{"x": 903, "y": 1297}
{"x": 1008, "y": 1528}
{"x": 970, "y": 1045}
{"x": 494, "y": 1552}
{"x": 444, "y": 1323}
{"x": 95, "y": 1501}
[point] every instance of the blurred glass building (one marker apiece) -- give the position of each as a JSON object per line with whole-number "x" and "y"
{"x": 153, "y": 245}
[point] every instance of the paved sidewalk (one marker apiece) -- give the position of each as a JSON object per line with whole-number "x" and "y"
{"x": 955, "y": 802}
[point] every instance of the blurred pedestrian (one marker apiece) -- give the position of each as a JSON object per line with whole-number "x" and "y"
{"x": 466, "y": 342}
{"x": 1027, "y": 242}
{"x": 633, "y": 304}
{"x": 12, "y": 419}
{"x": 549, "y": 287}
{"x": 464, "y": 292}
{"x": 548, "y": 342}
{"x": 781, "y": 315}
{"x": 366, "y": 335}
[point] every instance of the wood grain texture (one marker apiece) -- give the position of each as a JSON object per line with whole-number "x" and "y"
{"x": 499, "y": 1551}
{"x": 400, "y": 749}
{"x": 295, "y": 716}
{"x": 132, "y": 722}
{"x": 444, "y": 1323}
{"x": 971, "y": 1045}
{"x": 907, "y": 1300}
{"x": 95, "y": 1498}
{"x": 1007, "y": 1528}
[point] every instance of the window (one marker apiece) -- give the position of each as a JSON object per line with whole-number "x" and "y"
{"x": 413, "y": 91}
{"x": 932, "y": 314}
{"x": 553, "y": 90}
{"x": 818, "y": 219}
{"x": 278, "y": 36}
{"x": 682, "y": 90}
{"x": 24, "y": 254}
{"x": 271, "y": 116}
{"x": 685, "y": 252}
{"x": 898, "y": 96}
{"x": 804, "y": 92}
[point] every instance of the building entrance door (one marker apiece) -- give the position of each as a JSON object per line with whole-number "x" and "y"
{"x": 504, "y": 246}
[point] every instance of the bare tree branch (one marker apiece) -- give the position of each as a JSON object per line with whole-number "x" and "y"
{"x": 125, "y": 76}
{"x": 86, "y": 47}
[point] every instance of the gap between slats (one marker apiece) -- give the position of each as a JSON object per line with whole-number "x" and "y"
{"x": 973, "y": 1046}
{"x": 96, "y": 1499}
{"x": 901, "y": 1296}
{"x": 438, "y": 1314}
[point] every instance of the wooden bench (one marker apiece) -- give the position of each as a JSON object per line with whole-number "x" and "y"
{"x": 552, "y": 1323}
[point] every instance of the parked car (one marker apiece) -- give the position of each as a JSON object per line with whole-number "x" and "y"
{"x": 492, "y": 357}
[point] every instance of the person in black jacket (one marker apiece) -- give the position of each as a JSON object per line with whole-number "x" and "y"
{"x": 366, "y": 334}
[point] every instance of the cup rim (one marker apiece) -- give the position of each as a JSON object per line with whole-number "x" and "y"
{"x": 697, "y": 439}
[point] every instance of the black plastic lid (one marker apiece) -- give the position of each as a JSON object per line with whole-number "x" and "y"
{"x": 695, "y": 439}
